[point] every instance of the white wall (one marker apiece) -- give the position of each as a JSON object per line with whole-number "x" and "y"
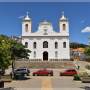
{"x": 24, "y": 33}
{"x": 51, "y": 38}
{"x": 63, "y": 53}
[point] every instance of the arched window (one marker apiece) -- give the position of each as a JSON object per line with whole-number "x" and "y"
{"x": 26, "y": 44}
{"x": 64, "y": 44}
{"x": 26, "y": 27}
{"x": 64, "y": 26}
{"x": 34, "y": 45}
{"x": 56, "y": 54}
{"x": 45, "y": 44}
{"x": 34, "y": 54}
{"x": 56, "y": 45}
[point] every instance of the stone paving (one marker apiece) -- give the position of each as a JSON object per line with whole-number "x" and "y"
{"x": 50, "y": 83}
{"x": 55, "y": 82}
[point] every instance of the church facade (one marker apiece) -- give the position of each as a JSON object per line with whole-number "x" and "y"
{"x": 46, "y": 44}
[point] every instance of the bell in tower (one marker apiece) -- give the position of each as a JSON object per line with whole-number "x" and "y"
{"x": 63, "y": 24}
{"x": 26, "y": 25}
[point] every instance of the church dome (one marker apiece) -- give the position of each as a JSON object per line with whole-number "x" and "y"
{"x": 45, "y": 22}
{"x": 45, "y": 26}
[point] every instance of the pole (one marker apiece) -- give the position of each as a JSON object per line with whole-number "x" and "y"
{"x": 13, "y": 60}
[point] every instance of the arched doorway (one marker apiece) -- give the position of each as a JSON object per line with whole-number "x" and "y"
{"x": 45, "y": 56}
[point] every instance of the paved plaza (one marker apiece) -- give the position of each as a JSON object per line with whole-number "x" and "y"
{"x": 55, "y": 82}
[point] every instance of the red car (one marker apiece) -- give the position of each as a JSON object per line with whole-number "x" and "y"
{"x": 69, "y": 72}
{"x": 43, "y": 72}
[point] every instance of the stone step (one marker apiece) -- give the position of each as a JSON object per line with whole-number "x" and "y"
{"x": 41, "y": 64}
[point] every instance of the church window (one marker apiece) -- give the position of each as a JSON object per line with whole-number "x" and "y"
{"x": 34, "y": 54}
{"x": 45, "y": 44}
{"x": 56, "y": 54}
{"x": 34, "y": 45}
{"x": 26, "y": 44}
{"x": 64, "y": 26}
{"x": 26, "y": 27}
{"x": 64, "y": 44}
{"x": 56, "y": 45}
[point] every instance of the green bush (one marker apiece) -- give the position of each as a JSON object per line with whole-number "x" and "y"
{"x": 84, "y": 74}
{"x": 76, "y": 77}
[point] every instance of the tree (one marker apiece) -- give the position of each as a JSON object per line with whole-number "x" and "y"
{"x": 5, "y": 58}
{"x": 87, "y": 54}
{"x": 19, "y": 51}
{"x": 9, "y": 50}
{"x": 87, "y": 51}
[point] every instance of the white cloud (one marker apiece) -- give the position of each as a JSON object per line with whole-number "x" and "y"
{"x": 21, "y": 17}
{"x": 86, "y": 29}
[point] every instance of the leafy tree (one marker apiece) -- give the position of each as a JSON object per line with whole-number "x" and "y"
{"x": 5, "y": 58}
{"x": 87, "y": 51}
{"x": 9, "y": 50}
{"x": 19, "y": 51}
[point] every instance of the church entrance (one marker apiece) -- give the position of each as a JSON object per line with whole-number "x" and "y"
{"x": 45, "y": 56}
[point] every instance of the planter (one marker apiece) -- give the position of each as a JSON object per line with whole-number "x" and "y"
{"x": 77, "y": 77}
{"x": 6, "y": 78}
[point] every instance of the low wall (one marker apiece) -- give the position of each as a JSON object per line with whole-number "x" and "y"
{"x": 44, "y": 64}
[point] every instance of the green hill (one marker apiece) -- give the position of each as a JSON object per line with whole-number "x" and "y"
{"x": 77, "y": 45}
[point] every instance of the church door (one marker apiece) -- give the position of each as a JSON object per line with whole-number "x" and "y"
{"x": 45, "y": 56}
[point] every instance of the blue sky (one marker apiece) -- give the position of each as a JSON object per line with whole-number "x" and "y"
{"x": 44, "y": 0}
{"x": 78, "y": 15}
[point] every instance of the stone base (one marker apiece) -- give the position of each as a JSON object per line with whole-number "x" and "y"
{"x": 44, "y": 64}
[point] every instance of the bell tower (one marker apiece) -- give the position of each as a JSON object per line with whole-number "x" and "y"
{"x": 63, "y": 24}
{"x": 26, "y": 25}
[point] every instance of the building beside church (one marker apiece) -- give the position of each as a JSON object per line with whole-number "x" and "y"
{"x": 46, "y": 44}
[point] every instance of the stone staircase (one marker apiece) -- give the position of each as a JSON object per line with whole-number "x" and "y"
{"x": 44, "y": 64}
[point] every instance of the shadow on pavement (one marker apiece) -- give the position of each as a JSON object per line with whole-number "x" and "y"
{"x": 85, "y": 87}
{"x": 22, "y": 78}
{"x": 9, "y": 88}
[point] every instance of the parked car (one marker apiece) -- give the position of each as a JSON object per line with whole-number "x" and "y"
{"x": 22, "y": 71}
{"x": 68, "y": 72}
{"x": 43, "y": 72}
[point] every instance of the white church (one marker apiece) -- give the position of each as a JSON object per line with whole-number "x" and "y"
{"x": 46, "y": 44}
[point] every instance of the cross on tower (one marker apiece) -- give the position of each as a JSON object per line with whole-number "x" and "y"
{"x": 63, "y": 13}
{"x": 27, "y": 13}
